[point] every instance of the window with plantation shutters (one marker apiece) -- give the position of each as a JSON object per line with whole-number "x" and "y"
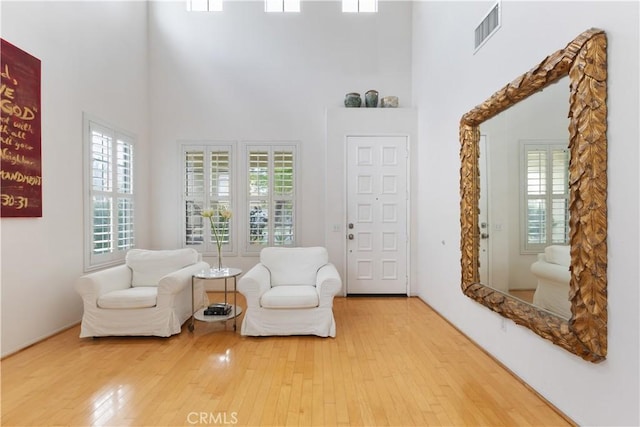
{"x": 271, "y": 197}
{"x": 110, "y": 206}
{"x": 545, "y": 184}
{"x": 207, "y": 185}
{"x": 262, "y": 207}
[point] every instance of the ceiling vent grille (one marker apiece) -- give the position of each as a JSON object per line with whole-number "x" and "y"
{"x": 489, "y": 25}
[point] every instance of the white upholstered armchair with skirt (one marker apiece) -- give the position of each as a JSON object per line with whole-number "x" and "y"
{"x": 290, "y": 292}
{"x": 148, "y": 295}
{"x": 552, "y": 269}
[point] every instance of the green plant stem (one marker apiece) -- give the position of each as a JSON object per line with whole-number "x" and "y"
{"x": 218, "y": 243}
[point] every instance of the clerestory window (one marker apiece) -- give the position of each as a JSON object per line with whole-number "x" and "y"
{"x": 282, "y": 5}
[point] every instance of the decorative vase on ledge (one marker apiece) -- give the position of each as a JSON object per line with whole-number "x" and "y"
{"x": 352, "y": 100}
{"x": 389, "y": 102}
{"x": 371, "y": 98}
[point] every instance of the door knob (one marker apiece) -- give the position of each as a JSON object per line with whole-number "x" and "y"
{"x": 350, "y": 225}
{"x": 484, "y": 235}
{"x": 350, "y": 237}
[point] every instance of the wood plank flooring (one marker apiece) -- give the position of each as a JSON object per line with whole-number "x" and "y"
{"x": 394, "y": 362}
{"x": 525, "y": 295}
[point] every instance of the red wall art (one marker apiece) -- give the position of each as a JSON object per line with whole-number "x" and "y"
{"x": 20, "y": 130}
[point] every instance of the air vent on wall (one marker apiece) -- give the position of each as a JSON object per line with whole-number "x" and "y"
{"x": 489, "y": 25}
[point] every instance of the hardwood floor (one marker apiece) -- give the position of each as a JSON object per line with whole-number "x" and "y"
{"x": 525, "y": 295}
{"x": 394, "y": 362}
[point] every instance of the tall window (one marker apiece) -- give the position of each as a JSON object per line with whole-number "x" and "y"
{"x": 271, "y": 196}
{"x": 208, "y": 181}
{"x": 109, "y": 208}
{"x": 545, "y": 186}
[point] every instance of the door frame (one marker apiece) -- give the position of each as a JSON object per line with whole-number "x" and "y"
{"x": 345, "y": 194}
{"x": 483, "y": 144}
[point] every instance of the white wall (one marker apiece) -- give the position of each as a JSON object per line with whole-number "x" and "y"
{"x": 448, "y": 81}
{"x": 93, "y": 60}
{"x": 248, "y": 75}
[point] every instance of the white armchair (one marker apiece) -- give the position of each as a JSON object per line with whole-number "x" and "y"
{"x": 553, "y": 275}
{"x": 290, "y": 292}
{"x": 149, "y": 295}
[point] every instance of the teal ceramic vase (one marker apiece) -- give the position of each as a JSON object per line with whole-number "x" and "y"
{"x": 352, "y": 100}
{"x": 371, "y": 98}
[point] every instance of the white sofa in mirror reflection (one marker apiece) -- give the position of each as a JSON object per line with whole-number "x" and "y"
{"x": 148, "y": 295}
{"x": 290, "y": 292}
{"x": 553, "y": 275}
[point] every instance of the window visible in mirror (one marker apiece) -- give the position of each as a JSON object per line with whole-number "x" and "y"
{"x": 545, "y": 188}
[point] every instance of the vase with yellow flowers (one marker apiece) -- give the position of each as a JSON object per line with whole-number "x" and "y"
{"x": 219, "y": 220}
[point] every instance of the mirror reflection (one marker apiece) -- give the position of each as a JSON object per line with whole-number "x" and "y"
{"x": 524, "y": 200}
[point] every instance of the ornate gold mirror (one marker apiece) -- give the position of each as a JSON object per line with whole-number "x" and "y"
{"x": 584, "y": 60}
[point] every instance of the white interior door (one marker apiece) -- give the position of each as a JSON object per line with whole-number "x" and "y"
{"x": 377, "y": 197}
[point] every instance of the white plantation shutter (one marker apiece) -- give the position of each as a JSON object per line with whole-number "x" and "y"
{"x": 536, "y": 161}
{"x": 270, "y": 196}
{"x": 125, "y": 223}
{"x": 559, "y": 195}
{"x": 258, "y": 192}
{"x": 110, "y": 205}
{"x": 264, "y": 216}
{"x": 193, "y": 196}
{"x": 283, "y": 198}
{"x": 546, "y": 195}
{"x": 102, "y": 182}
{"x": 102, "y": 231}
{"x": 208, "y": 184}
{"x": 125, "y": 206}
{"x": 102, "y": 158}
{"x": 220, "y": 194}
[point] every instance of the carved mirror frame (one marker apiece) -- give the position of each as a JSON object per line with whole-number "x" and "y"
{"x": 584, "y": 60}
